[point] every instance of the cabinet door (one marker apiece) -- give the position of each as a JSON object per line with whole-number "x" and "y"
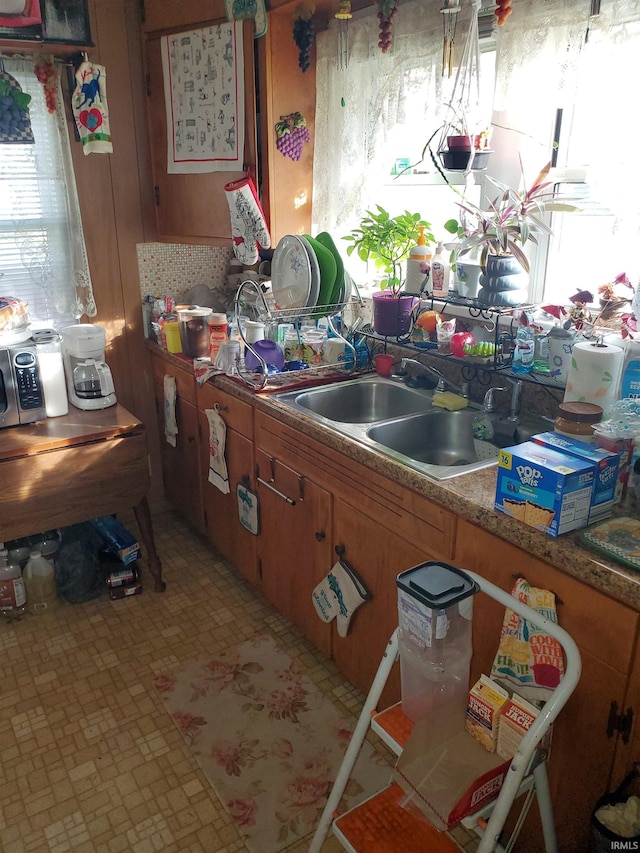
{"x": 294, "y": 546}
{"x": 180, "y": 463}
{"x": 193, "y": 207}
{"x": 378, "y": 555}
{"x": 581, "y": 752}
{"x": 221, "y": 522}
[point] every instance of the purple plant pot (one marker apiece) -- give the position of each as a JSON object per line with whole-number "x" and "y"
{"x": 393, "y": 315}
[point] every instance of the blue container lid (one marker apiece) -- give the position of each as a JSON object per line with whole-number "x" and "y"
{"x": 436, "y": 584}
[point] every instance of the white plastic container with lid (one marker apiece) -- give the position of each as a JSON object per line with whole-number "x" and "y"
{"x": 217, "y": 333}
{"x": 418, "y": 264}
{"x": 39, "y": 578}
{"x": 440, "y": 272}
{"x": 49, "y": 351}
{"x": 13, "y": 595}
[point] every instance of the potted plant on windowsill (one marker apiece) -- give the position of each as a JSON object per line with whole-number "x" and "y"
{"x": 387, "y": 240}
{"x": 500, "y": 234}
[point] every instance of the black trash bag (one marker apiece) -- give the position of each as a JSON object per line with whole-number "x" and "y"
{"x": 602, "y": 839}
{"x": 79, "y": 573}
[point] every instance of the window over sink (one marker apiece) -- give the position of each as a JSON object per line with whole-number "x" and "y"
{"x": 552, "y": 61}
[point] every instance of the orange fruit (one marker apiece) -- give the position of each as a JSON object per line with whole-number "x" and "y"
{"x": 427, "y": 321}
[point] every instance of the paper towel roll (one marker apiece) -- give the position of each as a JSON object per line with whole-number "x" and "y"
{"x": 594, "y": 374}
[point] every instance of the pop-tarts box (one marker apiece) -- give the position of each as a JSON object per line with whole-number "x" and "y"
{"x": 545, "y": 488}
{"x": 606, "y": 464}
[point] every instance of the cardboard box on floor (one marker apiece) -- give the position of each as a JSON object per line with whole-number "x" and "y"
{"x": 446, "y": 773}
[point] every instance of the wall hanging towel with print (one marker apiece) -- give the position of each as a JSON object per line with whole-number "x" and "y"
{"x": 90, "y": 109}
{"x": 15, "y": 123}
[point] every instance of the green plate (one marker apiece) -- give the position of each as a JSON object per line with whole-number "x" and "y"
{"x": 328, "y": 270}
{"x": 617, "y": 538}
{"x": 339, "y": 289}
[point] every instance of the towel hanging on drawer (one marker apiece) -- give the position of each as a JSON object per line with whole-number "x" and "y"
{"x": 339, "y": 595}
{"x": 170, "y": 423}
{"x": 218, "y": 474}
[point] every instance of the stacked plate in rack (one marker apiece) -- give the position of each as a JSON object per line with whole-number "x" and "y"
{"x": 307, "y": 274}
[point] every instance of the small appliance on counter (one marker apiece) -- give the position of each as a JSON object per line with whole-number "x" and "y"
{"x": 89, "y": 380}
{"x": 21, "y": 392}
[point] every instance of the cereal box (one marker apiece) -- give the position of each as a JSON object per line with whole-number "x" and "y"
{"x": 544, "y": 488}
{"x": 516, "y": 718}
{"x": 605, "y": 476}
{"x": 486, "y": 699}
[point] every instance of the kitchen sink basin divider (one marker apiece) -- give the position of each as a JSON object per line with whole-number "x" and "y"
{"x": 251, "y": 296}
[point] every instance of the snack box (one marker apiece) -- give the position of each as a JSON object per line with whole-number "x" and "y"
{"x": 516, "y": 718}
{"x": 117, "y": 538}
{"x": 486, "y": 699}
{"x": 623, "y": 446}
{"x": 544, "y": 488}
{"x": 606, "y": 464}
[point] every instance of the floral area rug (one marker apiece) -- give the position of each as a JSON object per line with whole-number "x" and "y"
{"x": 267, "y": 739}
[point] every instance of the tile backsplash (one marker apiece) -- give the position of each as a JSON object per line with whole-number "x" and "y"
{"x": 173, "y": 269}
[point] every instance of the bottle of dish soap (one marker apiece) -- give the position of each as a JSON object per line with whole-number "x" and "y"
{"x": 418, "y": 264}
{"x": 440, "y": 271}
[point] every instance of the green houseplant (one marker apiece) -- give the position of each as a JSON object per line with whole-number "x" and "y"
{"x": 387, "y": 240}
{"x": 500, "y": 234}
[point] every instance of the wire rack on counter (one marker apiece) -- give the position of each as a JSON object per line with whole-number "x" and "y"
{"x": 250, "y": 296}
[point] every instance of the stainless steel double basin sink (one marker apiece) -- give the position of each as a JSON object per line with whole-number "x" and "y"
{"x": 400, "y": 422}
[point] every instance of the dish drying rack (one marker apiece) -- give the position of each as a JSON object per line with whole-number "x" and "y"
{"x": 250, "y": 294}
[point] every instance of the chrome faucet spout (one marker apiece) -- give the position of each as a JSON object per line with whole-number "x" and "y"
{"x": 414, "y": 367}
{"x": 516, "y": 399}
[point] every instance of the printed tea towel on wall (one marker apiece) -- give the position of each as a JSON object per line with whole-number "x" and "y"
{"x": 529, "y": 661}
{"x": 218, "y": 474}
{"x": 90, "y": 109}
{"x": 203, "y": 74}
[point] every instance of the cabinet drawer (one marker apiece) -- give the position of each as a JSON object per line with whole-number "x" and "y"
{"x": 185, "y": 380}
{"x": 389, "y": 504}
{"x": 236, "y": 414}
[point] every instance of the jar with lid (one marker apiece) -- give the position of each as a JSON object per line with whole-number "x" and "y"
{"x": 577, "y": 420}
{"x": 49, "y": 351}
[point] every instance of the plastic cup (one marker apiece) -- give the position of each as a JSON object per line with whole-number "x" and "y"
{"x": 383, "y": 362}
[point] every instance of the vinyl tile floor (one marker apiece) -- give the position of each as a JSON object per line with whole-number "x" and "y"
{"x": 89, "y": 758}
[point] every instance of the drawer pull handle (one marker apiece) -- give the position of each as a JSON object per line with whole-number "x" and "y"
{"x": 218, "y": 408}
{"x": 277, "y": 492}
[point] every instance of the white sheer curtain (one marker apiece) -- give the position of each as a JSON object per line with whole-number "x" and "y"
{"x": 43, "y": 258}
{"x": 380, "y": 107}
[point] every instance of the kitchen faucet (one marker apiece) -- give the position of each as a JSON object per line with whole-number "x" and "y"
{"x": 419, "y": 368}
{"x": 516, "y": 398}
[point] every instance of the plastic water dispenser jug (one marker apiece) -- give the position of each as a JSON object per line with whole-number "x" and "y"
{"x": 435, "y": 607}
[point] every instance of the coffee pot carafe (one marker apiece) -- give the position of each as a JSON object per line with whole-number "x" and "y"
{"x": 92, "y": 379}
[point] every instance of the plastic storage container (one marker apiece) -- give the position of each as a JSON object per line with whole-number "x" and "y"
{"x": 435, "y": 606}
{"x": 12, "y": 590}
{"x": 49, "y": 349}
{"x": 39, "y": 578}
{"x": 194, "y": 331}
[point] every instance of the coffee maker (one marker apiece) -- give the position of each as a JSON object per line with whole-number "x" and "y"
{"x": 89, "y": 380}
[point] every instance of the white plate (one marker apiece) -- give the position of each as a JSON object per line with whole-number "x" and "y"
{"x": 291, "y": 273}
{"x": 315, "y": 275}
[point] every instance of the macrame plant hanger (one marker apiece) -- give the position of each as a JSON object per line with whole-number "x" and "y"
{"x": 465, "y": 94}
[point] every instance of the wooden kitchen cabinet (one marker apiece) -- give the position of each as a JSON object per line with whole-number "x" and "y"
{"x": 378, "y": 555}
{"x": 180, "y": 469}
{"x": 582, "y": 753}
{"x": 382, "y": 529}
{"x": 193, "y": 207}
{"x": 222, "y": 526}
{"x": 294, "y": 546}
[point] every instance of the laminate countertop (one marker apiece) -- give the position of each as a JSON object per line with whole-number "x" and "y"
{"x": 470, "y": 496}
